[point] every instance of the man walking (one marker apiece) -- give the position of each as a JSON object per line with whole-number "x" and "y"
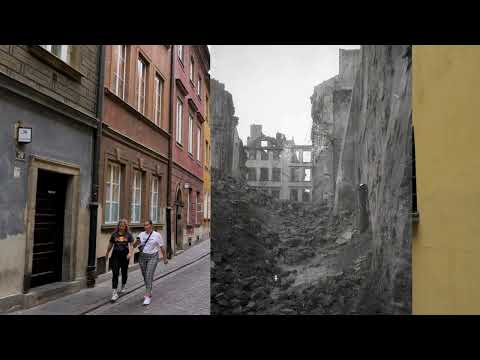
{"x": 150, "y": 242}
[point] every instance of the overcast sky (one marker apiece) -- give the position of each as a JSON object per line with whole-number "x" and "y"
{"x": 272, "y": 84}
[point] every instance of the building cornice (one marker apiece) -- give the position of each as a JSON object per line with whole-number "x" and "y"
{"x": 69, "y": 109}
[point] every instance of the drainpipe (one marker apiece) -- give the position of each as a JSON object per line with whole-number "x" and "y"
{"x": 92, "y": 240}
{"x": 170, "y": 152}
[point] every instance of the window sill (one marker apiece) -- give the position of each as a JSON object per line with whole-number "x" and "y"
{"x": 57, "y": 63}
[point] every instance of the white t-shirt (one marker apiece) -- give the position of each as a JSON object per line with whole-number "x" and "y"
{"x": 153, "y": 244}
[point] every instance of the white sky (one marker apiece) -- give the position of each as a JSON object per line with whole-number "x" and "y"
{"x": 271, "y": 85}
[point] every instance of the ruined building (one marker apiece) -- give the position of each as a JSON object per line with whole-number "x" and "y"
{"x": 330, "y": 107}
{"x": 227, "y": 148}
{"x": 280, "y": 166}
{"x": 374, "y": 175}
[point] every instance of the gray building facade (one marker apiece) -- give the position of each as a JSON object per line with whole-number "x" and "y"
{"x": 49, "y": 94}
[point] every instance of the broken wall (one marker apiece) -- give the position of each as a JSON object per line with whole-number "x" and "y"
{"x": 376, "y": 152}
{"x": 227, "y": 148}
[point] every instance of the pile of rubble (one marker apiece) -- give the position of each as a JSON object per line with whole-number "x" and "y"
{"x": 280, "y": 257}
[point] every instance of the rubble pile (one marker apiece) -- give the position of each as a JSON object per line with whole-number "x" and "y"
{"x": 281, "y": 257}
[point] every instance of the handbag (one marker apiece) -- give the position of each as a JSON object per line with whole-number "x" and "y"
{"x": 141, "y": 247}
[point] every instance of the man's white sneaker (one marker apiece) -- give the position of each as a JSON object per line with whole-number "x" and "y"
{"x": 147, "y": 301}
{"x": 115, "y": 295}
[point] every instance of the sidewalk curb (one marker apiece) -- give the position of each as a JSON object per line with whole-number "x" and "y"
{"x": 141, "y": 284}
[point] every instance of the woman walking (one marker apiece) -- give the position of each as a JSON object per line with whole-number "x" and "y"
{"x": 150, "y": 242}
{"x": 122, "y": 243}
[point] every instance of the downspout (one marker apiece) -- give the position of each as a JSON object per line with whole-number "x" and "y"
{"x": 92, "y": 240}
{"x": 170, "y": 152}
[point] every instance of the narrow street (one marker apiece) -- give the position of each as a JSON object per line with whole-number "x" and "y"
{"x": 182, "y": 287}
{"x": 184, "y": 292}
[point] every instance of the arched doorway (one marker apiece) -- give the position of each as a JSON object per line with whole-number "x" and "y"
{"x": 178, "y": 220}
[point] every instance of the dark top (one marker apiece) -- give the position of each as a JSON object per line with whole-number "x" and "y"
{"x": 120, "y": 241}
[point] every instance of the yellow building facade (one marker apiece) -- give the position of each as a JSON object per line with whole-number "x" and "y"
{"x": 446, "y": 239}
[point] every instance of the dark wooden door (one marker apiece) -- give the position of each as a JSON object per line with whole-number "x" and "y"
{"x": 48, "y": 232}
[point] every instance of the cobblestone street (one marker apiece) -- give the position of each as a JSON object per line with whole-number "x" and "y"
{"x": 184, "y": 292}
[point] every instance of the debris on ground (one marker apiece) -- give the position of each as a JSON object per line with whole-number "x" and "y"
{"x": 273, "y": 256}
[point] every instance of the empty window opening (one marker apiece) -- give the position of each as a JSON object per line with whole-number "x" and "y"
{"x": 263, "y": 174}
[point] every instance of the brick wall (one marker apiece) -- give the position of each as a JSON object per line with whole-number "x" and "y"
{"x": 17, "y": 62}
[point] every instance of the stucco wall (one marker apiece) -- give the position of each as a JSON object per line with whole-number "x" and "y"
{"x": 56, "y": 138}
{"x": 446, "y": 250}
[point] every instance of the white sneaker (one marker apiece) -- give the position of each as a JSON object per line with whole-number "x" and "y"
{"x": 147, "y": 300}
{"x": 122, "y": 289}
{"x": 115, "y": 295}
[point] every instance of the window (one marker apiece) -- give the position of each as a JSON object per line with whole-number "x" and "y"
{"x": 205, "y": 206}
{"x": 293, "y": 174}
{"x": 293, "y": 194}
{"x": 307, "y": 174}
{"x": 179, "y": 121}
{"x": 141, "y": 84}
{"x": 158, "y": 99}
{"x": 64, "y": 52}
{"x": 296, "y": 156}
{"x": 207, "y": 158}
{"x": 276, "y": 155}
{"x": 190, "y": 134}
{"x": 307, "y": 156}
{"x": 414, "y": 182}
{"x": 264, "y": 143}
{"x": 154, "y": 201}
{"x": 180, "y": 52}
{"x": 306, "y": 195}
{"x": 192, "y": 67}
{"x": 198, "y": 143}
{"x": 252, "y": 174}
{"x": 199, "y": 87}
{"x": 263, "y": 174}
{"x": 276, "y": 194}
{"x": 252, "y": 155}
{"x": 136, "y": 197}
{"x": 189, "y": 196}
{"x": 264, "y": 155}
{"x": 198, "y": 213}
{"x": 112, "y": 194}
{"x": 120, "y": 70}
{"x": 276, "y": 174}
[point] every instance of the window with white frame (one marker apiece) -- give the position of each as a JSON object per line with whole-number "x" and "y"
{"x": 188, "y": 205}
{"x": 154, "y": 201}
{"x": 209, "y": 205}
{"x": 205, "y": 206}
{"x": 158, "y": 99}
{"x": 192, "y": 69}
{"x": 64, "y": 52}
{"x": 112, "y": 194}
{"x": 198, "y": 143}
{"x": 119, "y": 70}
{"x": 198, "y": 213}
{"x": 180, "y": 52}
{"x": 179, "y": 121}
{"x": 136, "y": 197}
{"x": 190, "y": 134}
{"x": 199, "y": 86}
{"x": 141, "y": 84}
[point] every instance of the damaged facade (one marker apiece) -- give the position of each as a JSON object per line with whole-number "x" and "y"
{"x": 374, "y": 172}
{"x": 47, "y": 181}
{"x": 279, "y": 166}
{"x": 228, "y": 156}
{"x": 330, "y": 108}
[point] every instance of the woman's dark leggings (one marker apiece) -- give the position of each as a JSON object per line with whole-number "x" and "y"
{"x": 119, "y": 262}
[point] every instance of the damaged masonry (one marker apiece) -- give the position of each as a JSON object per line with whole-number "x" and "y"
{"x": 347, "y": 249}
